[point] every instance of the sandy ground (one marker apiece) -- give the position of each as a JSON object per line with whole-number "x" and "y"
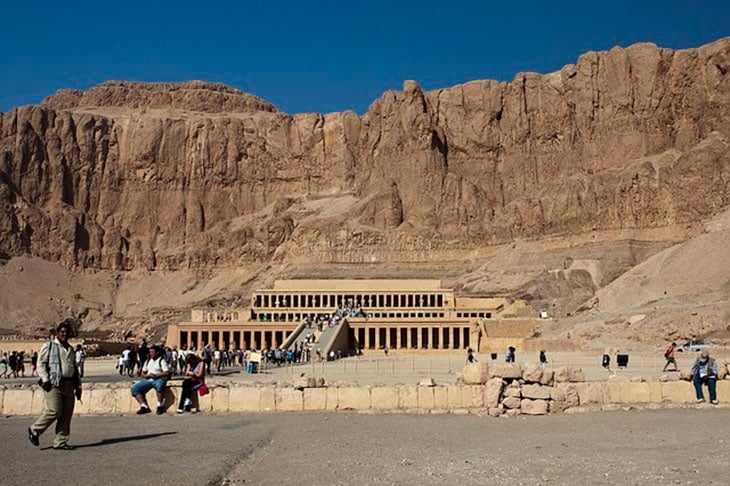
{"x": 405, "y": 368}
{"x": 669, "y": 446}
{"x": 677, "y": 446}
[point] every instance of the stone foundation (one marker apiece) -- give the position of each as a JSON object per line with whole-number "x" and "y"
{"x": 497, "y": 396}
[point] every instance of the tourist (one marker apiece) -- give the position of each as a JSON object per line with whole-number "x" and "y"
{"x": 121, "y": 364}
{"x": 173, "y": 360}
{"x": 80, "y": 357}
{"x": 194, "y": 379}
{"x": 470, "y": 356}
{"x": 704, "y": 371}
{"x": 543, "y": 358}
{"x": 669, "y": 356}
{"x": 143, "y": 353}
{"x": 20, "y": 364}
{"x": 131, "y": 361}
{"x": 13, "y": 363}
{"x": 155, "y": 373}
{"x": 509, "y": 356}
{"x": 60, "y": 381}
{"x": 4, "y": 365}
{"x": 207, "y": 356}
{"x": 34, "y": 364}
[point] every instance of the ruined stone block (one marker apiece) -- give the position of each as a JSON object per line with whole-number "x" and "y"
{"x": 244, "y": 399}
{"x": 315, "y": 399}
{"x": 511, "y": 402}
{"x": 534, "y": 407}
{"x": 570, "y": 374}
{"x": 354, "y": 399}
{"x": 536, "y": 392}
{"x": 289, "y": 400}
{"x": 505, "y": 370}
{"x": 628, "y": 392}
{"x": 475, "y": 374}
{"x": 425, "y": 397}
{"x": 493, "y": 392}
{"x": 678, "y": 392}
{"x": 589, "y": 392}
{"x": 512, "y": 390}
{"x": 408, "y": 397}
{"x": 17, "y": 401}
{"x": 267, "y": 399}
{"x": 453, "y": 395}
{"x": 333, "y": 399}
{"x": 548, "y": 377}
{"x": 532, "y": 373}
{"x": 572, "y": 398}
{"x": 440, "y": 398}
{"x": 385, "y": 398}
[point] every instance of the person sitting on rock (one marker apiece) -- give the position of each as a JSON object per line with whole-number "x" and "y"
{"x": 155, "y": 373}
{"x": 704, "y": 371}
{"x": 194, "y": 379}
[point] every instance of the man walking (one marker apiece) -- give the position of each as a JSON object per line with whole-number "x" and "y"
{"x": 669, "y": 356}
{"x": 60, "y": 381}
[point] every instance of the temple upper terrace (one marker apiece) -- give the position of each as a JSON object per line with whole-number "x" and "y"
{"x": 293, "y": 300}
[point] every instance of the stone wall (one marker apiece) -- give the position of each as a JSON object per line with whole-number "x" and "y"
{"x": 503, "y": 389}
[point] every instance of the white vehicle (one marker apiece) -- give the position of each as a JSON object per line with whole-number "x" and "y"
{"x": 693, "y": 346}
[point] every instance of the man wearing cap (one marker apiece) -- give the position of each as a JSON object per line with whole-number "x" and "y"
{"x": 704, "y": 370}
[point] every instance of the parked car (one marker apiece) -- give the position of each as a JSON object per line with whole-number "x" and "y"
{"x": 693, "y": 346}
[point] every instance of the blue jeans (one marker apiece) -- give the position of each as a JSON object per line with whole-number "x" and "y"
{"x": 711, "y": 386}
{"x": 146, "y": 384}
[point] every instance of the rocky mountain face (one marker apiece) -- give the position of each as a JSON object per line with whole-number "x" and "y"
{"x": 201, "y": 176}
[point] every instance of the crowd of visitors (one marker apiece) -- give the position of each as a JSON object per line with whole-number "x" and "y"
{"x": 13, "y": 365}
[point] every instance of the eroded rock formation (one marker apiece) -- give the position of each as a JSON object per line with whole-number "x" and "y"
{"x": 198, "y": 175}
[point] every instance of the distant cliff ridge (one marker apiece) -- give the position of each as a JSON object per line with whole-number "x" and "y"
{"x": 197, "y": 175}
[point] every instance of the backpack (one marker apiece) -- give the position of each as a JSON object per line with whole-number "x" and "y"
{"x": 667, "y": 353}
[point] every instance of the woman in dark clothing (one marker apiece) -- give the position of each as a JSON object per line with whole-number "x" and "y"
{"x": 194, "y": 379}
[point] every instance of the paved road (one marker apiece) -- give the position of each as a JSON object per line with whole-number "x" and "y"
{"x": 679, "y": 446}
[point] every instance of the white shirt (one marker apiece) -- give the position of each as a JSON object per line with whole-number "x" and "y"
{"x": 155, "y": 366}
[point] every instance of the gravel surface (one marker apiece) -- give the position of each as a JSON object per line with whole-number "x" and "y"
{"x": 679, "y": 446}
{"x": 627, "y": 447}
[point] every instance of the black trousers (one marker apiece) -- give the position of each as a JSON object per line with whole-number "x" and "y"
{"x": 187, "y": 390}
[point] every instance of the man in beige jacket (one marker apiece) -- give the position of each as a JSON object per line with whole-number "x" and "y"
{"x": 60, "y": 381}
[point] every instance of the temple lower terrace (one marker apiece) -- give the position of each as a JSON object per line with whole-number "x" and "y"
{"x": 351, "y": 315}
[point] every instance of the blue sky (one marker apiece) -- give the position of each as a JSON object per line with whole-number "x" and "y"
{"x": 324, "y": 56}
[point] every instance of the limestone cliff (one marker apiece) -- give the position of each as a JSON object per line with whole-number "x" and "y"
{"x": 197, "y": 175}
